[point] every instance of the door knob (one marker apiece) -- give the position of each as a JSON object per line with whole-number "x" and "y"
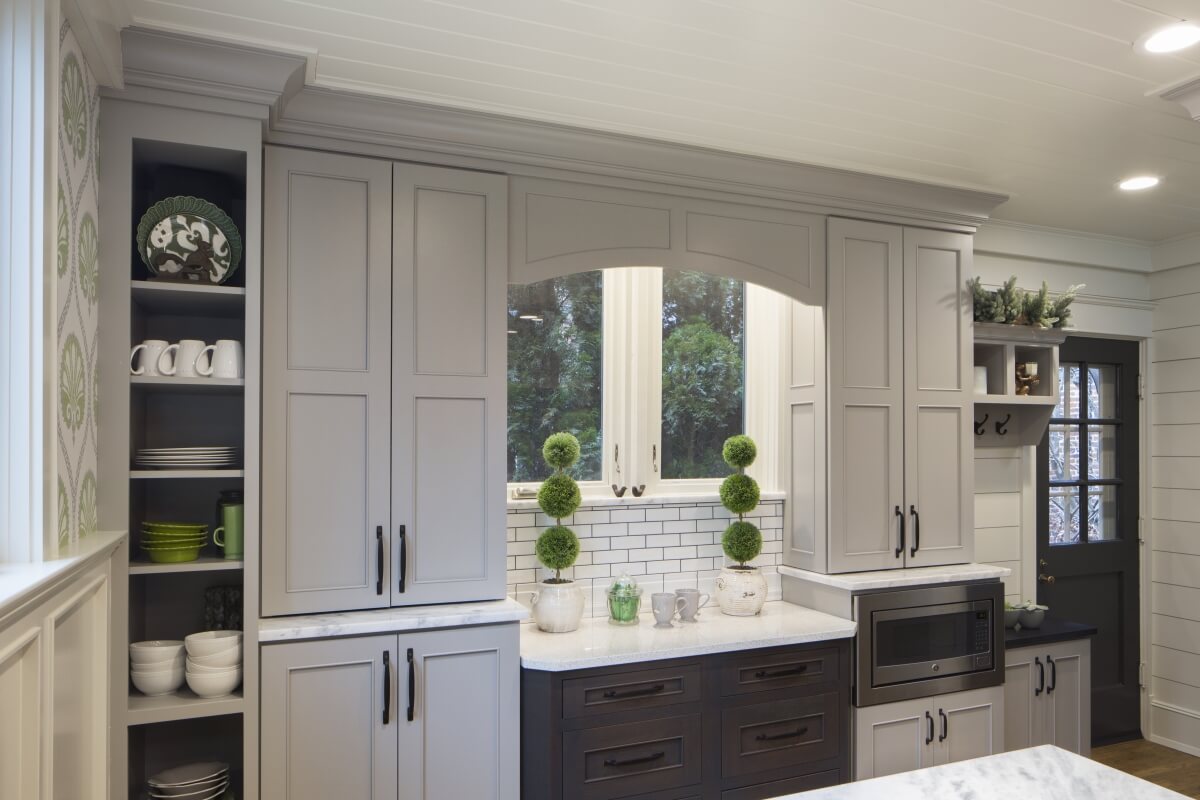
{"x": 1043, "y": 562}
{"x": 1045, "y": 578}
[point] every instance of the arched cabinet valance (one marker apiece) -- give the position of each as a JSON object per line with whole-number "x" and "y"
{"x": 559, "y": 228}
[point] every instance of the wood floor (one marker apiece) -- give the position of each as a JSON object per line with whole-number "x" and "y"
{"x": 1168, "y": 768}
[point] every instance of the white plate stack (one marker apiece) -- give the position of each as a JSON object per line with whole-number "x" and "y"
{"x": 187, "y": 457}
{"x": 214, "y": 662}
{"x": 205, "y": 780}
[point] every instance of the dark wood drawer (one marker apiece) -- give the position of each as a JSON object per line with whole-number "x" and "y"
{"x": 604, "y": 694}
{"x": 761, "y": 791}
{"x": 636, "y": 758}
{"x": 781, "y": 734}
{"x": 761, "y": 673}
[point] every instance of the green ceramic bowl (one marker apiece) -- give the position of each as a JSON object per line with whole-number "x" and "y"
{"x": 172, "y": 555}
{"x": 167, "y": 527}
{"x": 169, "y": 535}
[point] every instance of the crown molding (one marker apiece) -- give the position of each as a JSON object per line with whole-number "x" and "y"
{"x": 1185, "y": 92}
{"x": 189, "y": 71}
{"x": 97, "y": 27}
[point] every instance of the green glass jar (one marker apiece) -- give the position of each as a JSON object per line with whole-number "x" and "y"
{"x": 624, "y": 601}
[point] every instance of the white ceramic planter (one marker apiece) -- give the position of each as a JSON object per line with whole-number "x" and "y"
{"x": 741, "y": 591}
{"x": 557, "y": 607}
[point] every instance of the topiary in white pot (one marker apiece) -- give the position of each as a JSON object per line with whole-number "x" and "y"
{"x": 741, "y": 589}
{"x": 558, "y": 603}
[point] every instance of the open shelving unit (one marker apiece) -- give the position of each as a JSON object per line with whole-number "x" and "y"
{"x": 1004, "y": 418}
{"x": 151, "y": 153}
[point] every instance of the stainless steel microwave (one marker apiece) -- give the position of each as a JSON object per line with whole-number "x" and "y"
{"x": 928, "y": 641}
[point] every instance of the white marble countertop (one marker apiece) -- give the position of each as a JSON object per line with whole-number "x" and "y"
{"x": 1038, "y": 773}
{"x": 900, "y": 578}
{"x": 598, "y": 644}
{"x": 19, "y": 582}
{"x": 390, "y": 620}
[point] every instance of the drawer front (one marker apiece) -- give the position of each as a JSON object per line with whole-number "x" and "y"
{"x": 782, "y": 734}
{"x": 762, "y": 791}
{"x": 623, "y": 760}
{"x": 763, "y": 673}
{"x": 604, "y": 694}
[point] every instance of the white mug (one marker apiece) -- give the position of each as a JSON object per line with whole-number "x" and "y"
{"x": 187, "y": 352}
{"x": 226, "y": 361}
{"x": 150, "y": 349}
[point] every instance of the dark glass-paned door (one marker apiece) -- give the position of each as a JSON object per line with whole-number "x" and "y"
{"x": 1088, "y": 519}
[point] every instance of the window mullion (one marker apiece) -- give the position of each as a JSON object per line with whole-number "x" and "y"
{"x": 645, "y": 383}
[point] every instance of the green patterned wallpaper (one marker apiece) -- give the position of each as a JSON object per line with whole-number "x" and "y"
{"x": 78, "y": 254}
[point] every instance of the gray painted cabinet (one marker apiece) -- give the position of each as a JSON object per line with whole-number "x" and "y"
{"x": 327, "y": 324}
{"x": 336, "y": 718}
{"x": 1047, "y": 696}
{"x": 384, "y": 386}
{"x": 900, "y": 465}
{"x": 911, "y": 734}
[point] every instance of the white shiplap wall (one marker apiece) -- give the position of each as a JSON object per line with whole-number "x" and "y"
{"x": 1175, "y": 508}
{"x": 1003, "y": 495}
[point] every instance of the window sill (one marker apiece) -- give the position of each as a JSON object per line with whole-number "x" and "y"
{"x": 694, "y": 498}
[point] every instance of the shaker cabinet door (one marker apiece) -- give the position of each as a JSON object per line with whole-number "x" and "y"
{"x": 1024, "y": 710}
{"x": 326, "y": 382}
{"x": 1069, "y": 695}
{"x": 459, "y": 714}
{"x": 939, "y": 446}
{"x": 449, "y": 390}
{"x": 324, "y": 734}
{"x": 969, "y": 724}
{"x": 866, "y": 395}
{"x": 892, "y": 738}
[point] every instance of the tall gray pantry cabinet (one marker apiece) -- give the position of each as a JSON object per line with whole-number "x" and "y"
{"x": 385, "y": 298}
{"x": 384, "y": 384}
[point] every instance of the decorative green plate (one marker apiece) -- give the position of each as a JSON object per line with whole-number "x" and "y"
{"x": 187, "y": 238}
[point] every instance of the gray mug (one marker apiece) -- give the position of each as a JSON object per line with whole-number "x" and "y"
{"x": 692, "y": 603}
{"x": 665, "y": 606}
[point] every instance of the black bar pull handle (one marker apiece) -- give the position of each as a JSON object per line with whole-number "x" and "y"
{"x": 1053, "y": 674}
{"x": 387, "y": 687}
{"x": 403, "y": 556}
{"x": 900, "y": 547}
{"x": 1041, "y": 676}
{"x": 782, "y": 673}
{"x": 378, "y": 559}
{"x": 613, "y": 694}
{"x": 412, "y": 684}
{"x": 945, "y": 725}
{"x": 916, "y": 545}
{"x": 929, "y": 719}
{"x": 616, "y": 762}
{"x": 774, "y": 737}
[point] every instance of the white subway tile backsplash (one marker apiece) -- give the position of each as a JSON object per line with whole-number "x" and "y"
{"x": 664, "y": 547}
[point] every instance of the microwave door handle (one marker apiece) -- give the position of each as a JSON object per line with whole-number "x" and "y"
{"x": 900, "y": 547}
{"x": 1041, "y": 676}
{"x": 929, "y": 735}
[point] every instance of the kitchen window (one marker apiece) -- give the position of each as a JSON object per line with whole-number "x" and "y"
{"x": 648, "y": 367}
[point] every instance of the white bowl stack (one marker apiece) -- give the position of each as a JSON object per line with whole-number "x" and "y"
{"x": 207, "y": 780}
{"x": 157, "y": 666}
{"x": 214, "y": 663}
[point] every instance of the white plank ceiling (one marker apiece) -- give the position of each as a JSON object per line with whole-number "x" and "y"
{"x": 1046, "y": 100}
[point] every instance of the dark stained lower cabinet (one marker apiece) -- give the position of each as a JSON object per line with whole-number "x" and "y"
{"x": 734, "y": 726}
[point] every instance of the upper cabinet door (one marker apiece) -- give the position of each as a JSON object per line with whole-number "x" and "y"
{"x": 939, "y": 467}
{"x": 459, "y": 737}
{"x": 326, "y": 382}
{"x": 331, "y": 714}
{"x": 449, "y": 391}
{"x": 866, "y": 395}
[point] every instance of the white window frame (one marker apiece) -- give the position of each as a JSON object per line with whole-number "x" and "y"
{"x": 28, "y": 127}
{"x": 631, "y": 397}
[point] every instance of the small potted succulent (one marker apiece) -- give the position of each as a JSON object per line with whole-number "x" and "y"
{"x": 741, "y": 589}
{"x": 1012, "y": 615}
{"x": 1032, "y": 615}
{"x": 558, "y": 604}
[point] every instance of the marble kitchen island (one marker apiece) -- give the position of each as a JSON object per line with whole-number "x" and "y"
{"x": 1037, "y": 773}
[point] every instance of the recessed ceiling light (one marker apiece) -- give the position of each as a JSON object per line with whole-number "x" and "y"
{"x": 1137, "y": 183}
{"x": 1171, "y": 38}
